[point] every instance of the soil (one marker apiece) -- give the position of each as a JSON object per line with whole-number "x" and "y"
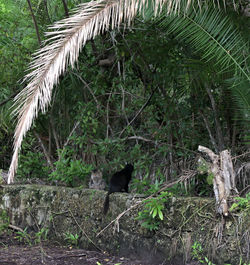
{"x": 14, "y": 252}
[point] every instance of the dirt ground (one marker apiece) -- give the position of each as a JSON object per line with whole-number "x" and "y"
{"x": 13, "y": 252}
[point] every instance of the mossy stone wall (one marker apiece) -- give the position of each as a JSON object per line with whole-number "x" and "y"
{"x": 79, "y": 211}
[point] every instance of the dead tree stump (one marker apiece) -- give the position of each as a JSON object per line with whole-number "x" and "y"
{"x": 224, "y": 177}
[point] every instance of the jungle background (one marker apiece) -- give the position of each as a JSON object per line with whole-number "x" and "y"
{"x": 147, "y": 95}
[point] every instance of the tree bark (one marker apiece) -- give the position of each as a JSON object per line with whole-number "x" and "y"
{"x": 228, "y": 173}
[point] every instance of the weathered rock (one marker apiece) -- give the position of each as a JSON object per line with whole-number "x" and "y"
{"x": 66, "y": 210}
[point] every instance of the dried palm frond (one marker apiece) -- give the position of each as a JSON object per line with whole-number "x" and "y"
{"x": 63, "y": 47}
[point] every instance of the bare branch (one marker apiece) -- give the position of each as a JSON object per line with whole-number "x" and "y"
{"x": 35, "y": 23}
{"x": 209, "y": 131}
{"x": 8, "y": 99}
{"x": 138, "y": 113}
{"x": 44, "y": 149}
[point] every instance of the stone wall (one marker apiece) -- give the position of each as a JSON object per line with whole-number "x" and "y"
{"x": 66, "y": 210}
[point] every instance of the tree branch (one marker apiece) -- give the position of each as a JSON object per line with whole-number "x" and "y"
{"x": 8, "y": 99}
{"x": 138, "y": 113}
{"x": 44, "y": 149}
{"x": 35, "y": 23}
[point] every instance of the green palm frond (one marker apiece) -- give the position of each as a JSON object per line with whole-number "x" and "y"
{"x": 241, "y": 96}
{"x": 212, "y": 35}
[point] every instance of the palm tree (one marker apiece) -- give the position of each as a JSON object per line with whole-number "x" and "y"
{"x": 71, "y": 34}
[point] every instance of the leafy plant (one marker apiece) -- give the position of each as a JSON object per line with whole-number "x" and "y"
{"x": 24, "y": 236}
{"x": 71, "y": 238}
{"x": 197, "y": 254}
{"x": 30, "y": 238}
{"x": 153, "y": 188}
{"x": 240, "y": 263}
{"x": 70, "y": 170}
{"x": 41, "y": 235}
{"x": 178, "y": 189}
{"x": 152, "y": 214}
{"x": 141, "y": 185}
{"x": 241, "y": 203}
{"x": 32, "y": 165}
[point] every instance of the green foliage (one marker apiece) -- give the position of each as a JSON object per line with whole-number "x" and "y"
{"x": 69, "y": 170}
{"x": 209, "y": 30}
{"x": 152, "y": 214}
{"x": 215, "y": 37}
{"x": 201, "y": 185}
{"x": 17, "y": 40}
{"x": 179, "y": 189}
{"x": 204, "y": 171}
{"x": 241, "y": 204}
{"x": 41, "y": 235}
{"x": 24, "y": 236}
{"x": 91, "y": 118}
{"x": 197, "y": 254}
{"x": 202, "y": 166}
{"x": 31, "y": 162}
{"x": 141, "y": 185}
{"x": 72, "y": 239}
{"x": 210, "y": 178}
{"x": 241, "y": 99}
{"x": 28, "y": 238}
{"x": 32, "y": 165}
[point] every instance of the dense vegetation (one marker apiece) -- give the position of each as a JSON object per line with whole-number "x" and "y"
{"x": 147, "y": 95}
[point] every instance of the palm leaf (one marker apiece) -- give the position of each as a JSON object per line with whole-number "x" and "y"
{"x": 241, "y": 97}
{"x": 212, "y": 35}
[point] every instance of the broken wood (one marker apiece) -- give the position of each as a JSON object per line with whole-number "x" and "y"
{"x": 224, "y": 177}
